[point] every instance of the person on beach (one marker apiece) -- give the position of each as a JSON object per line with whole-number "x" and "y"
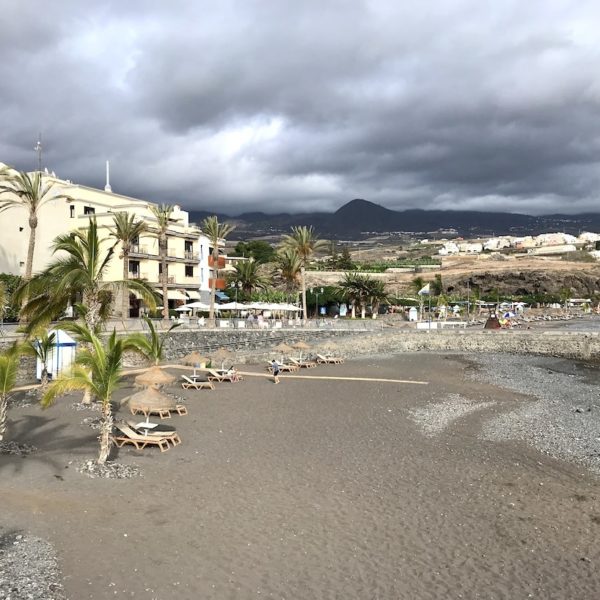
{"x": 275, "y": 368}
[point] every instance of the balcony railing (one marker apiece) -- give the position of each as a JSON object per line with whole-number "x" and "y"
{"x": 137, "y": 275}
{"x": 137, "y": 249}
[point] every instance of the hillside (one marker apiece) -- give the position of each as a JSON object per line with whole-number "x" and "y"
{"x": 360, "y": 218}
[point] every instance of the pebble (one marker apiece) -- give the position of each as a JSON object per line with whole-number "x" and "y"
{"x": 560, "y": 418}
{"x": 28, "y": 569}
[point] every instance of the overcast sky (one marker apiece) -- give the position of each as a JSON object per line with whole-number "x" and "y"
{"x": 292, "y": 106}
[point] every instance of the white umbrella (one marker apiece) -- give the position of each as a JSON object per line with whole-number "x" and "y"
{"x": 183, "y": 308}
{"x": 233, "y": 306}
{"x": 199, "y": 305}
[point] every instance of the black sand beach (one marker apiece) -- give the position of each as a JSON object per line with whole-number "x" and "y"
{"x": 312, "y": 489}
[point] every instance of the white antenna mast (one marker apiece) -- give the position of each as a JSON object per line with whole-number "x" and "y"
{"x": 38, "y": 149}
{"x": 107, "y": 187}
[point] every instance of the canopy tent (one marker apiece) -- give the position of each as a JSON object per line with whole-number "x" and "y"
{"x": 193, "y": 294}
{"x": 221, "y": 296}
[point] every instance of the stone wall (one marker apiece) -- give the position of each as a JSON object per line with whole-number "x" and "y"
{"x": 252, "y": 346}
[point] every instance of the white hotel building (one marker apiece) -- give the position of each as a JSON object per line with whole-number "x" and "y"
{"x": 188, "y": 261}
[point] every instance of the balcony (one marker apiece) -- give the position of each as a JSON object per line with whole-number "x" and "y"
{"x": 137, "y": 250}
{"x": 138, "y": 275}
{"x": 220, "y": 283}
{"x": 220, "y": 262}
{"x": 191, "y": 255}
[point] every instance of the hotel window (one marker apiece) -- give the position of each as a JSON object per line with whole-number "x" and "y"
{"x": 71, "y": 211}
{"x": 189, "y": 270}
{"x": 89, "y": 210}
{"x": 134, "y": 268}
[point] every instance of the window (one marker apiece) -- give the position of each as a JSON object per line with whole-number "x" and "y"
{"x": 189, "y": 246}
{"x": 189, "y": 270}
{"x": 134, "y": 268}
{"x": 89, "y": 210}
{"x": 71, "y": 211}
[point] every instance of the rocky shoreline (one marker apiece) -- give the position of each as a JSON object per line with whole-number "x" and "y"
{"x": 564, "y": 419}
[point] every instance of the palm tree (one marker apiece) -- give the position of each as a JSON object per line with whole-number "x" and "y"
{"x": 216, "y": 232}
{"x": 97, "y": 370}
{"x": 126, "y": 231}
{"x": 288, "y": 268}
{"x": 247, "y": 277}
{"x": 9, "y": 366}
{"x": 352, "y": 289}
{"x": 305, "y": 242}
{"x": 162, "y": 214}
{"x": 78, "y": 270}
{"x": 152, "y": 346}
{"x": 375, "y": 294}
{"x": 30, "y": 192}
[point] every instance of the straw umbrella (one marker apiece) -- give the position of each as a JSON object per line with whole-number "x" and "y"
{"x": 154, "y": 377}
{"x": 195, "y": 359}
{"x": 222, "y": 354}
{"x": 151, "y": 399}
{"x": 301, "y": 346}
{"x": 283, "y": 348}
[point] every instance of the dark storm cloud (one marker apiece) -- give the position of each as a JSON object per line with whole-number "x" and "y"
{"x": 245, "y": 105}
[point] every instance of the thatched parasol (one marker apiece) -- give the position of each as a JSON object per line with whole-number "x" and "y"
{"x": 195, "y": 359}
{"x": 222, "y": 354}
{"x": 151, "y": 399}
{"x": 154, "y": 377}
{"x": 301, "y": 346}
{"x": 283, "y": 348}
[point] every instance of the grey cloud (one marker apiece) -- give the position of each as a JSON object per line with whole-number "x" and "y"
{"x": 250, "y": 105}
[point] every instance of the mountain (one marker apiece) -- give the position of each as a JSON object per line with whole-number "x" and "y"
{"x": 359, "y": 218}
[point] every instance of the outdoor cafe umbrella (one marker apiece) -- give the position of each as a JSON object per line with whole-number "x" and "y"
{"x": 195, "y": 359}
{"x": 154, "y": 377}
{"x": 222, "y": 354}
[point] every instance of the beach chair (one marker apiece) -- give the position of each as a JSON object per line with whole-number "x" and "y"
{"x": 304, "y": 364}
{"x": 329, "y": 360}
{"x": 163, "y": 413}
{"x": 127, "y": 435}
{"x": 169, "y": 433}
{"x": 189, "y": 383}
{"x": 220, "y": 376}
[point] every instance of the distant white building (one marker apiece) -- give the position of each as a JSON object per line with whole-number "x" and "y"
{"x": 497, "y": 243}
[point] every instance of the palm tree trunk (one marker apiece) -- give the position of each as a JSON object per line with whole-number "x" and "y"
{"x": 303, "y": 281}
{"x": 3, "y": 413}
{"x": 125, "y": 291}
{"x": 213, "y": 285}
{"x": 31, "y": 247}
{"x": 353, "y": 310}
{"x": 363, "y": 310}
{"x": 105, "y": 431}
{"x": 92, "y": 320}
{"x": 165, "y": 277}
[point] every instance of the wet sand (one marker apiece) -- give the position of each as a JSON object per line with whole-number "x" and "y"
{"x": 312, "y": 489}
